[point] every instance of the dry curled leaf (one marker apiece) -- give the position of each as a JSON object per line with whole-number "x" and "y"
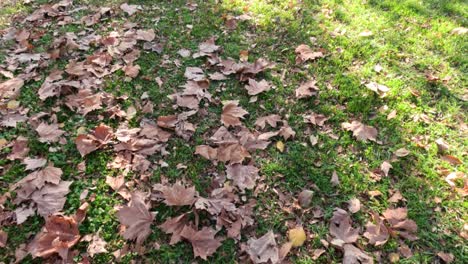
{"x": 307, "y": 89}
{"x": 341, "y": 228}
{"x": 49, "y": 133}
{"x": 254, "y": 87}
{"x": 305, "y": 53}
{"x": 361, "y": 131}
{"x": 177, "y": 195}
{"x": 244, "y": 177}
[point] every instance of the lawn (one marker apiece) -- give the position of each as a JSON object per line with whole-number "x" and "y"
{"x": 370, "y": 104}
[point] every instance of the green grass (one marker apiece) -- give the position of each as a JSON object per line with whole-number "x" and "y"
{"x": 410, "y": 39}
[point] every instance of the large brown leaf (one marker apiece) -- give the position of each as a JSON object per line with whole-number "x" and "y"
{"x": 341, "y": 228}
{"x": 376, "y": 233}
{"x": 58, "y": 236}
{"x": 136, "y": 218}
{"x": 263, "y": 249}
{"x": 305, "y": 53}
{"x": 361, "y": 131}
{"x": 10, "y": 89}
{"x": 49, "y": 133}
{"x": 174, "y": 226}
{"x": 232, "y": 113}
{"x": 177, "y": 195}
{"x": 243, "y": 177}
{"x": 254, "y": 87}
{"x": 204, "y": 243}
{"x": 353, "y": 255}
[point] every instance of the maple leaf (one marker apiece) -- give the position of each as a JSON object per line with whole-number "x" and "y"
{"x": 146, "y": 35}
{"x": 38, "y": 178}
{"x": 207, "y": 152}
{"x": 243, "y": 177}
{"x": 19, "y": 149}
{"x": 307, "y": 89}
{"x": 341, "y": 228}
{"x": 204, "y": 243}
{"x": 49, "y": 133}
{"x": 194, "y": 73}
{"x": 97, "y": 245}
{"x": 86, "y": 144}
{"x": 59, "y": 234}
{"x": 376, "y": 233}
{"x": 272, "y": 120}
{"x": 231, "y": 113}
{"x": 136, "y": 218}
{"x": 174, "y": 226}
{"x": 177, "y": 195}
{"x": 305, "y": 53}
{"x": 353, "y": 255}
{"x": 315, "y": 119}
{"x": 10, "y": 89}
{"x": 131, "y": 71}
{"x": 233, "y": 153}
{"x": 254, "y": 87}
{"x": 361, "y": 131}
{"x": 263, "y": 249}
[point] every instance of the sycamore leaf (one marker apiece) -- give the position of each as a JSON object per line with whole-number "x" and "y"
{"x": 307, "y": 89}
{"x": 376, "y": 233}
{"x": 3, "y": 238}
{"x": 10, "y": 89}
{"x": 97, "y": 245}
{"x": 32, "y": 164}
{"x": 59, "y": 234}
{"x": 272, "y": 120}
{"x": 204, "y": 243}
{"x": 232, "y": 113}
{"x": 244, "y": 177}
{"x": 305, "y": 53}
{"x": 397, "y": 218}
{"x": 207, "y": 152}
{"x": 136, "y": 218}
{"x": 130, "y": 9}
{"x": 177, "y": 195}
{"x": 255, "y": 87}
{"x": 146, "y": 35}
{"x": 341, "y": 228}
{"x": 354, "y": 205}
{"x": 361, "y": 131}
{"x": 51, "y": 198}
{"x": 353, "y": 255}
{"x": 49, "y": 133}
{"x": 174, "y": 226}
{"x": 263, "y": 249}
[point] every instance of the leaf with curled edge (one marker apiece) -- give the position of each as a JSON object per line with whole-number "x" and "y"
{"x": 174, "y": 226}
{"x": 244, "y": 177}
{"x": 263, "y": 249}
{"x": 360, "y": 131}
{"x": 232, "y": 113}
{"x": 177, "y": 194}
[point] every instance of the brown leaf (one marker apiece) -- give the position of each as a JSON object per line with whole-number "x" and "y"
{"x": 194, "y": 73}
{"x": 263, "y": 249}
{"x": 38, "y": 178}
{"x": 307, "y": 89}
{"x": 231, "y": 113}
{"x": 305, "y": 53}
{"x": 402, "y": 152}
{"x": 146, "y": 35}
{"x": 204, "y": 243}
{"x": 244, "y": 177}
{"x": 19, "y": 149}
{"x": 335, "y": 180}
{"x": 255, "y": 87}
{"x": 317, "y": 253}
{"x": 32, "y": 164}
{"x": 10, "y": 89}
{"x": 376, "y": 233}
{"x": 385, "y": 167}
{"x": 86, "y": 144}
{"x": 305, "y": 198}
{"x": 442, "y": 146}
{"x": 272, "y": 120}
{"x": 341, "y": 228}
{"x": 315, "y": 119}
{"x": 136, "y": 218}
{"x": 49, "y": 133}
{"x": 59, "y": 234}
{"x": 97, "y": 245}
{"x": 130, "y": 9}
{"x": 3, "y": 238}
{"x": 397, "y": 218}
{"x": 353, "y": 255}
{"x": 446, "y": 257}
{"x": 233, "y": 153}
{"x": 207, "y": 152}
{"x": 51, "y": 198}
{"x": 451, "y": 159}
{"x": 174, "y": 226}
{"x": 131, "y": 71}
{"x": 361, "y": 131}
{"x": 177, "y": 195}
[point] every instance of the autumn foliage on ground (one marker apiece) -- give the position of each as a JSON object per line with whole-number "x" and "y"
{"x": 137, "y": 142}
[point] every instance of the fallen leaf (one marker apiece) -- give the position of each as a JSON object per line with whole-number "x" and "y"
{"x": 442, "y": 146}
{"x": 59, "y": 234}
{"x": 305, "y": 53}
{"x": 361, "y": 131}
{"x": 49, "y": 133}
{"x": 376, "y": 233}
{"x": 402, "y": 152}
{"x": 297, "y": 236}
{"x": 10, "y": 89}
{"x": 243, "y": 177}
{"x": 316, "y": 253}
{"x": 263, "y": 249}
{"x": 380, "y": 89}
{"x": 177, "y": 195}
{"x": 280, "y": 146}
{"x": 272, "y": 120}
{"x": 341, "y": 228}
{"x": 307, "y": 89}
{"x": 353, "y": 255}
{"x": 32, "y": 164}
{"x": 3, "y": 238}
{"x": 136, "y": 218}
{"x": 446, "y": 257}
{"x": 305, "y": 198}
{"x": 204, "y": 243}
{"x": 97, "y": 245}
{"x": 335, "y": 181}
{"x": 130, "y": 9}
{"x": 174, "y": 226}
{"x": 254, "y": 87}
{"x": 232, "y": 113}
{"x": 354, "y": 205}
{"x": 451, "y": 159}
